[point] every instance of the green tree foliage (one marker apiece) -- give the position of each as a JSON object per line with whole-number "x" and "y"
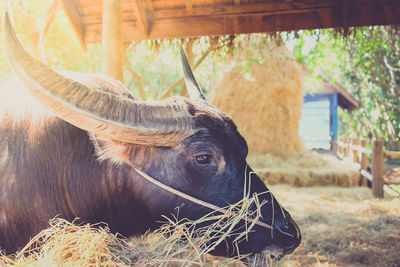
{"x": 374, "y": 73}
{"x": 366, "y": 63}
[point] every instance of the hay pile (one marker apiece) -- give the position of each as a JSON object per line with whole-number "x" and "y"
{"x": 342, "y": 226}
{"x": 307, "y": 168}
{"x": 174, "y": 244}
{"x": 263, "y": 94}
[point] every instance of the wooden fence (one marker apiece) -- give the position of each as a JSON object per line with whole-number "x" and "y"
{"x": 356, "y": 151}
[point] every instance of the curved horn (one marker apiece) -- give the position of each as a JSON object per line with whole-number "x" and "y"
{"x": 159, "y": 123}
{"x": 190, "y": 82}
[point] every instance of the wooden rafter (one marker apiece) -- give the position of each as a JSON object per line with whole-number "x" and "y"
{"x": 188, "y": 4}
{"x": 45, "y": 24}
{"x": 146, "y": 19}
{"x": 345, "y": 12}
{"x": 141, "y": 17}
{"x": 266, "y": 8}
{"x": 75, "y": 18}
{"x": 149, "y": 5}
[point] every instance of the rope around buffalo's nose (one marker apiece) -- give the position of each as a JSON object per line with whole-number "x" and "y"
{"x": 196, "y": 200}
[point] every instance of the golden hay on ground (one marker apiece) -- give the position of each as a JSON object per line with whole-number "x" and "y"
{"x": 180, "y": 243}
{"x": 67, "y": 244}
{"x": 340, "y": 227}
{"x": 264, "y": 99}
{"x": 307, "y": 168}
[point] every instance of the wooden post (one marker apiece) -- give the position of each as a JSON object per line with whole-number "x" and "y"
{"x": 347, "y": 149}
{"x": 354, "y": 155}
{"x": 113, "y": 42}
{"x": 364, "y": 162}
{"x": 355, "y": 152}
{"x": 334, "y": 146}
{"x": 377, "y": 168}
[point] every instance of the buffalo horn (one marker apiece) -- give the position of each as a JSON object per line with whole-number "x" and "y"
{"x": 190, "y": 82}
{"x": 157, "y": 123}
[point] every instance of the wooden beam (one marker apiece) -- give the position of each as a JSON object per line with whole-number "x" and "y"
{"x": 141, "y": 17}
{"x": 271, "y": 21}
{"x": 237, "y": 2}
{"x": 149, "y": 5}
{"x": 113, "y": 43}
{"x": 364, "y": 161}
{"x": 396, "y": 182}
{"x": 391, "y": 191}
{"x": 355, "y": 142}
{"x": 367, "y": 175}
{"x": 345, "y": 12}
{"x": 378, "y": 162}
{"x": 188, "y": 4}
{"x": 44, "y": 25}
{"x": 75, "y": 18}
{"x": 392, "y": 155}
{"x": 268, "y": 7}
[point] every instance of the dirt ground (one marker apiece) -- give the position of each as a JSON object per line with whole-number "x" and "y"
{"x": 342, "y": 226}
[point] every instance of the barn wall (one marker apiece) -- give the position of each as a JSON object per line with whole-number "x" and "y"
{"x": 311, "y": 125}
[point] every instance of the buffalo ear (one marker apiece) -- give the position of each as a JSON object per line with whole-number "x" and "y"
{"x": 190, "y": 82}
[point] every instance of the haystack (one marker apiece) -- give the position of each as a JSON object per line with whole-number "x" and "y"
{"x": 307, "y": 168}
{"x": 264, "y": 97}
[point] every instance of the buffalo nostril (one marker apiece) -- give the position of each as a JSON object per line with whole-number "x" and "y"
{"x": 288, "y": 235}
{"x": 284, "y": 230}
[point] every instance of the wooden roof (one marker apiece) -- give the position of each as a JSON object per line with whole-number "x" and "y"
{"x": 160, "y": 19}
{"x": 345, "y": 99}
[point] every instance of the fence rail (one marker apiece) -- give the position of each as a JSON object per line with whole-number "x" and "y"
{"x": 356, "y": 151}
{"x": 392, "y": 155}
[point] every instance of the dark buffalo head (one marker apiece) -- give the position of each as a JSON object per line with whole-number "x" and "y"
{"x": 184, "y": 143}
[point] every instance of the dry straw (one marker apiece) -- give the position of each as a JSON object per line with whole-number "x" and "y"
{"x": 307, "y": 168}
{"x": 262, "y": 92}
{"x": 176, "y": 243}
{"x": 342, "y": 226}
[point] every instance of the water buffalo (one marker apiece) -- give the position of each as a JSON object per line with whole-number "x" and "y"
{"x": 76, "y": 157}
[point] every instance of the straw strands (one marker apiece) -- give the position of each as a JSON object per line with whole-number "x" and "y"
{"x": 176, "y": 243}
{"x": 342, "y": 226}
{"x": 262, "y": 92}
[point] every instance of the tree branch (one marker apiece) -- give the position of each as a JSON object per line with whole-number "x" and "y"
{"x": 139, "y": 79}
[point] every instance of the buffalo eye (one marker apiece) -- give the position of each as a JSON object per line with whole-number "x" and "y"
{"x": 203, "y": 159}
